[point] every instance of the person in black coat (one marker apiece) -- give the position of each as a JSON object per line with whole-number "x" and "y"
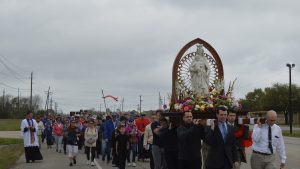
{"x": 220, "y": 138}
{"x": 122, "y": 146}
{"x": 168, "y": 135}
{"x": 241, "y": 133}
{"x": 189, "y": 135}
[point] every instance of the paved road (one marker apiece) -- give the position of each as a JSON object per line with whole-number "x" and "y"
{"x": 10, "y": 134}
{"x": 55, "y": 160}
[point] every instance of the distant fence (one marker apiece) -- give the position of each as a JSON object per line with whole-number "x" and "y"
{"x": 280, "y": 117}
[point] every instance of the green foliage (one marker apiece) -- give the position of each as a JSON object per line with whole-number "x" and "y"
{"x": 275, "y": 98}
{"x": 17, "y": 108}
{"x": 294, "y": 134}
{"x": 10, "y": 124}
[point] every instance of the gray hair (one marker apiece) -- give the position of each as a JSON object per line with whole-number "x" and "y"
{"x": 271, "y": 112}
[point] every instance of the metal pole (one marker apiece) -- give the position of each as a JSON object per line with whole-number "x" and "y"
{"x": 3, "y": 104}
{"x": 18, "y": 100}
{"x": 290, "y": 100}
{"x": 30, "y": 107}
{"x": 140, "y": 104}
{"x": 290, "y": 66}
{"x": 104, "y": 101}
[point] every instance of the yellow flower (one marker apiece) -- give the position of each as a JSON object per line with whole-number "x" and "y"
{"x": 202, "y": 108}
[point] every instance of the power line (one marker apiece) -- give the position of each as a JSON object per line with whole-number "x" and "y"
{"x": 9, "y": 86}
{"x": 14, "y": 74}
{"x": 14, "y": 65}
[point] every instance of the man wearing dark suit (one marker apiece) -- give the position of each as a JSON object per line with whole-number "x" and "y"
{"x": 220, "y": 138}
{"x": 241, "y": 133}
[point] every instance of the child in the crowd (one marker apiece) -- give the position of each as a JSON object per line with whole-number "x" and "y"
{"x": 122, "y": 147}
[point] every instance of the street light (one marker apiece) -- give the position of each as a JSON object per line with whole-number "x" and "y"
{"x": 290, "y": 66}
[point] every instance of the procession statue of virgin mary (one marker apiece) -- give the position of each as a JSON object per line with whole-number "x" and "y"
{"x": 200, "y": 72}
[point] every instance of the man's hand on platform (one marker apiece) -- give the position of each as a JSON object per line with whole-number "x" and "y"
{"x": 201, "y": 122}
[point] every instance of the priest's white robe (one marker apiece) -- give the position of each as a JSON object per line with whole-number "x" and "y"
{"x": 27, "y": 136}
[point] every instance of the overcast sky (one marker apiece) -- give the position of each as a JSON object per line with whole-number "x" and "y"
{"x": 127, "y": 48}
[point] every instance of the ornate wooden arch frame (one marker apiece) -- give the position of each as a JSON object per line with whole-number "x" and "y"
{"x": 181, "y": 54}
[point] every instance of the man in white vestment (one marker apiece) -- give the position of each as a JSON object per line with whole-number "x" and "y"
{"x": 31, "y": 144}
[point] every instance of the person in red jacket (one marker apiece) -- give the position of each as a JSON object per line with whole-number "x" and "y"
{"x": 141, "y": 124}
{"x": 58, "y": 129}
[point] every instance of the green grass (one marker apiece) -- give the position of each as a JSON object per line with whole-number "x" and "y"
{"x": 294, "y": 125}
{"x": 10, "y": 124}
{"x": 9, "y": 154}
{"x": 294, "y": 134}
{"x": 8, "y": 141}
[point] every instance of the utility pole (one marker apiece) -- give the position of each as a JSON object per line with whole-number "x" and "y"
{"x": 104, "y": 99}
{"x": 18, "y": 100}
{"x": 122, "y": 108}
{"x": 3, "y": 102}
{"x": 47, "y": 100}
{"x": 30, "y": 107}
{"x": 141, "y": 104}
{"x": 159, "y": 101}
{"x": 100, "y": 107}
{"x": 51, "y": 103}
{"x": 55, "y": 107}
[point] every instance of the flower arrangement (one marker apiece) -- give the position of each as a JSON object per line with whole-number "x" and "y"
{"x": 209, "y": 103}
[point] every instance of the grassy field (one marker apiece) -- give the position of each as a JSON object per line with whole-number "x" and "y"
{"x": 10, "y": 124}
{"x": 9, "y": 154}
{"x": 294, "y": 134}
{"x": 11, "y": 149}
{"x": 8, "y": 141}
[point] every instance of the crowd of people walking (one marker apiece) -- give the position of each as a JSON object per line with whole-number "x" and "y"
{"x": 121, "y": 139}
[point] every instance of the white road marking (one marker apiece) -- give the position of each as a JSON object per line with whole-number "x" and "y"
{"x": 98, "y": 166}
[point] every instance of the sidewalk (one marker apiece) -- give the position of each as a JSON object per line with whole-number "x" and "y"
{"x": 10, "y": 134}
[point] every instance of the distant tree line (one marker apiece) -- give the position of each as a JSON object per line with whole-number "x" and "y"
{"x": 14, "y": 107}
{"x": 273, "y": 98}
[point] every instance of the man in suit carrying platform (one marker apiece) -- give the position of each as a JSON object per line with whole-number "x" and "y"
{"x": 241, "y": 132}
{"x": 220, "y": 138}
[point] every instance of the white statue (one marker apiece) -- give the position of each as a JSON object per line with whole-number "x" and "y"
{"x": 200, "y": 71}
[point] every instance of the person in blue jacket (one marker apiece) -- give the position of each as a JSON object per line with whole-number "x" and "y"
{"x": 108, "y": 132}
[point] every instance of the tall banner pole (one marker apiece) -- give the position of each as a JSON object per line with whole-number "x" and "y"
{"x": 104, "y": 101}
